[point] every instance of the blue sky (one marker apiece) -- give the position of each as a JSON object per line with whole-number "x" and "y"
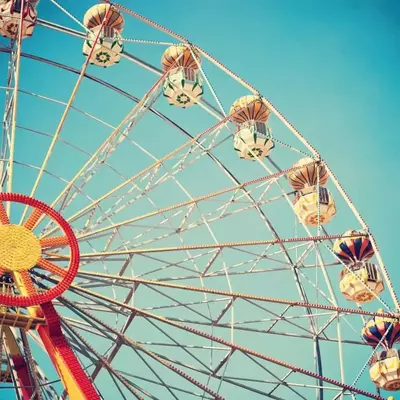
{"x": 330, "y": 67}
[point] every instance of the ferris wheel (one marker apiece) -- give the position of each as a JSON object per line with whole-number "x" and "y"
{"x": 166, "y": 233}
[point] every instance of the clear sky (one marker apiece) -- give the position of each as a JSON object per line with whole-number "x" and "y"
{"x": 331, "y": 67}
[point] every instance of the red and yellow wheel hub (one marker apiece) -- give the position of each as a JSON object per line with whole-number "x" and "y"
{"x": 21, "y": 251}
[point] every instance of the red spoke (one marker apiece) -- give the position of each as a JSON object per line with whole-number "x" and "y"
{"x": 56, "y": 241}
{"x": 50, "y": 267}
{"x": 3, "y": 214}
{"x": 33, "y": 219}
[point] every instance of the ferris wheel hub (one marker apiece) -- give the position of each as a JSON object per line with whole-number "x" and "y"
{"x": 20, "y": 249}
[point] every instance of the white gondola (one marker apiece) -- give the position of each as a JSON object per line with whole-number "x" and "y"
{"x": 10, "y": 17}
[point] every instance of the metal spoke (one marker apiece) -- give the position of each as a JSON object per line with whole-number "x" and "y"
{"x": 51, "y": 267}
{"x": 234, "y": 346}
{"x": 193, "y": 201}
{"x": 66, "y": 111}
{"x": 13, "y": 127}
{"x": 240, "y": 295}
{"x": 209, "y": 246}
{"x": 145, "y": 170}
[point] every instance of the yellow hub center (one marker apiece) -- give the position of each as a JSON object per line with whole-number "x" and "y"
{"x": 20, "y": 249}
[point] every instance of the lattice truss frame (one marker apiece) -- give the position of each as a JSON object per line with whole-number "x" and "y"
{"x": 170, "y": 316}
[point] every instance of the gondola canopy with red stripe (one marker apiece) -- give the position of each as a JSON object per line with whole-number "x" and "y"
{"x": 351, "y": 249}
{"x": 381, "y": 330}
{"x": 250, "y": 108}
{"x": 307, "y": 173}
{"x": 101, "y": 12}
